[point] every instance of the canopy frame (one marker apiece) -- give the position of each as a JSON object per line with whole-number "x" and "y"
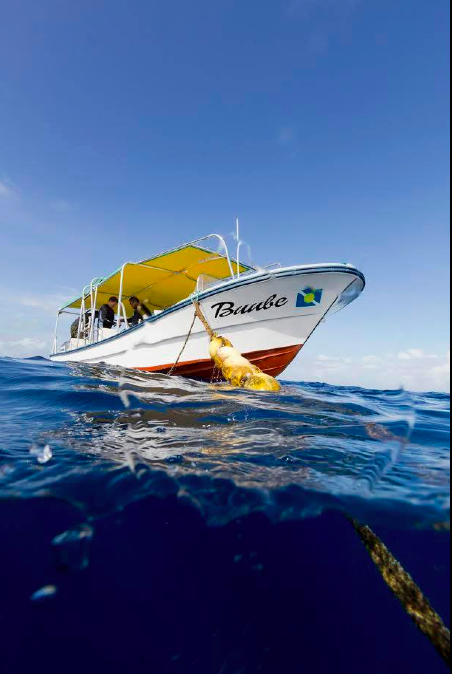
{"x": 91, "y": 291}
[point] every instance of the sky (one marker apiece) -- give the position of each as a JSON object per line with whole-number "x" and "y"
{"x": 129, "y": 128}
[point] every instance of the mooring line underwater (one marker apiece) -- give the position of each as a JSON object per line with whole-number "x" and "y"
{"x": 407, "y": 592}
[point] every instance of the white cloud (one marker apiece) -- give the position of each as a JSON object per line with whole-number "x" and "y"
{"x": 411, "y": 354}
{"x": 28, "y": 343}
{"x": 31, "y": 324}
{"x": 331, "y": 361}
{"x": 412, "y": 369}
{"x": 6, "y": 188}
{"x": 23, "y": 347}
{"x": 416, "y": 354}
{"x": 45, "y": 303}
{"x": 371, "y": 360}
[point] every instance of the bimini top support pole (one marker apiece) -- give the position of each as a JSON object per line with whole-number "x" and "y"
{"x": 239, "y": 244}
{"x": 55, "y": 339}
{"x": 121, "y": 291}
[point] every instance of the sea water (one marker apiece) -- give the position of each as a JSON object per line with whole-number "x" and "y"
{"x": 162, "y": 525}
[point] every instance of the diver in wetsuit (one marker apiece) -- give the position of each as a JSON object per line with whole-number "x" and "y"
{"x": 140, "y": 311}
{"x": 107, "y": 313}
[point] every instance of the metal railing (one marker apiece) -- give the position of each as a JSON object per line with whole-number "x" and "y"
{"x": 92, "y": 291}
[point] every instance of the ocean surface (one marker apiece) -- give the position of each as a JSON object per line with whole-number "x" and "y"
{"x": 156, "y": 524}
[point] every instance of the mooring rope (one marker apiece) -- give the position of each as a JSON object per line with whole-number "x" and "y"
{"x": 199, "y": 313}
{"x": 407, "y": 592}
{"x": 235, "y": 368}
{"x": 171, "y": 372}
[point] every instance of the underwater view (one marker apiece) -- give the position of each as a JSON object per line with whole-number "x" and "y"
{"x": 157, "y": 524}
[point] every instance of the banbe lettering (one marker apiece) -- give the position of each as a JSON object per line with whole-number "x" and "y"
{"x": 225, "y": 309}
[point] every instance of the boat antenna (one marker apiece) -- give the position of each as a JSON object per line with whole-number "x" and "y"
{"x": 237, "y": 222}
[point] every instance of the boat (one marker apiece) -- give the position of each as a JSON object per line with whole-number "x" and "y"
{"x": 268, "y": 313}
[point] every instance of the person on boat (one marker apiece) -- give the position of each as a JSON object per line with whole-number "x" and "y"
{"x": 107, "y": 313}
{"x": 75, "y": 326}
{"x": 84, "y": 325}
{"x": 140, "y": 311}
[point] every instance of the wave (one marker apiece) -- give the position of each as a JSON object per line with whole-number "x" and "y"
{"x": 112, "y": 437}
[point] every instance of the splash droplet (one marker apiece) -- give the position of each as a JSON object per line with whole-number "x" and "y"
{"x": 44, "y": 594}
{"x": 124, "y": 398}
{"x": 72, "y": 548}
{"x": 130, "y": 461}
{"x": 5, "y": 470}
{"x": 42, "y": 454}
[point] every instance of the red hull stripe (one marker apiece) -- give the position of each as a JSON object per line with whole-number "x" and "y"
{"x": 271, "y": 361}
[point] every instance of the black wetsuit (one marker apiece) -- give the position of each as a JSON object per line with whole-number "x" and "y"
{"x": 106, "y": 317}
{"x": 138, "y": 316}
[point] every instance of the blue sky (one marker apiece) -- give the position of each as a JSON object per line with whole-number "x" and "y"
{"x": 128, "y": 128}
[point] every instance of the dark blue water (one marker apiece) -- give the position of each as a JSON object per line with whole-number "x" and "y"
{"x": 162, "y": 525}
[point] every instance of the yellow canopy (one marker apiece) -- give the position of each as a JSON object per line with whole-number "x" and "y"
{"x": 162, "y": 281}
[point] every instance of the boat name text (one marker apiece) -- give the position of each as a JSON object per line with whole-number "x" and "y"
{"x": 225, "y": 309}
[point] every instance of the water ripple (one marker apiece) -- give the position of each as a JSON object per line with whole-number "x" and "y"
{"x": 111, "y": 437}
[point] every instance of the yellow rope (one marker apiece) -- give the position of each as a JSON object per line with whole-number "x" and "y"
{"x": 203, "y": 320}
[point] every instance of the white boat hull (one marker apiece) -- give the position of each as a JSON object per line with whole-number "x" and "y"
{"x": 268, "y": 316}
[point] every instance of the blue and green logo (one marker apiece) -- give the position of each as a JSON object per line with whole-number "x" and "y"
{"x": 309, "y": 298}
